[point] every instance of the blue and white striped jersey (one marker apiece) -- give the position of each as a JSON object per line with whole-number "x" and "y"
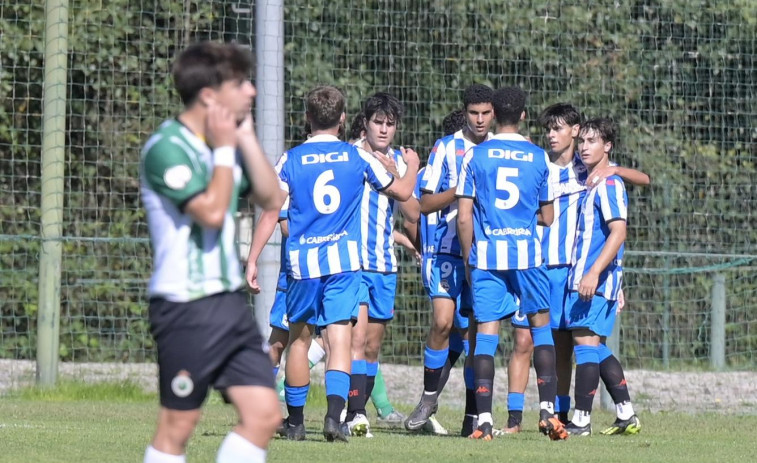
{"x": 324, "y": 179}
{"x": 507, "y": 178}
{"x": 601, "y": 205}
{"x": 442, "y": 173}
{"x": 568, "y": 184}
{"x": 377, "y": 223}
{"x": 427, "y": 223}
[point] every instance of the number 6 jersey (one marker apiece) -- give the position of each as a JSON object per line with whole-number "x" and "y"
{"x": 324, "y": 178}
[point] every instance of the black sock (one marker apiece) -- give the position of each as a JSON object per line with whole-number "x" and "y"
{"x": 483, "y": 365}
{"x": 546, "y": 375}
{"x": 296, "y": 415}
{"x": 431, "y": 378}
{"x": 335, "y": 406}
{"x": 514, "y": 418}
{"x": 612, "y": 375}
{"x": 370, "y": 381}
{"x": 357, "y": 397}
{"x": 470, "y": 402}
{"x": 587, "y": 381}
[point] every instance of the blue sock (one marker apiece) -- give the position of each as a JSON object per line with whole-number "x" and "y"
{"x": 466, "y": 347}
{"x": 562, "y": 405}
{"x": 469, "y": 377}
{"x": 434, "y": 359}
{"x": 296, "y": 395}
{"x": 337, "y": 383}
{"x": 604, "y": 352}
{"x": 486, "y": 344}
{"x": 542, "y": 336}
{"x": 371, "y": 368}
{"x": 515, "y": 401}
{"x": 359, "y": 367}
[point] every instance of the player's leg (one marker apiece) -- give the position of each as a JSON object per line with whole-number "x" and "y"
{"x": 558, "y": 280}
{"x": 358, "y": 377}
{"x": 387, "y": 414}
{"x": 340, "y": 302}
{"x": 470, "y": 419}
{"x": 518, "y": 369}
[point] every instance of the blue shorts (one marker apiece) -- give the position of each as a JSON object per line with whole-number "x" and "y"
{"x": 447, "y": 277}
{"x": 377, "y": 292}
{"x": 597, "y": 315}
{"x": 278, "y": 318}
{"x": 558, "y": 291}
{"x": 496, "y": 293}
{"x": 324, "y": 300}
{"x": 464, "y": 307}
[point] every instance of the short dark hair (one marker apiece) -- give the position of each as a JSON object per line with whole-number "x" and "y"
{"x": 565, "y": 112}
{"x": 453, "y": 122}
{"x": 509, "y": 103}
{"x": 209, "y": 64}
{"x": 604, "y": 127}
{"x": 477, "y": 93}
{"x": 324, "y": 105}
{"x": 357, "y": 127}
{"x": 383, "y": 102}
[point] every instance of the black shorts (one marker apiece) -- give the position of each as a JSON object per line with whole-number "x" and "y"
{"x": 213, "y": 341}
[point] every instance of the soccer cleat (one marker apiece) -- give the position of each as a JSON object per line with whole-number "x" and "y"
{"x": 483, "y": 432}
{"x": 470, "y": 423}
{"x": 630, "y": 426}
{"x": 433, "y": 426}
{"x": 553, "y": 428}
{"x": 332, "y": 431}
{"x": 575, "y": 430}
{"x": 359, "y": 426}
{"x": 295, "y": 432}
{"x": 420, "y": 415}
{"x": 282, "y": 429}
{"x": 392, "y": 420}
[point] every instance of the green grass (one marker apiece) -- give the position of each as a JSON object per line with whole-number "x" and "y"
{"x": 114, "y": 423}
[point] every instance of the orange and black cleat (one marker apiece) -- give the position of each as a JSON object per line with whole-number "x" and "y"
{"x": 553, "y": 428}
{"x": 483, "y": 432}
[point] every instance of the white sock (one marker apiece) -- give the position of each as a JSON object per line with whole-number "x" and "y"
{"x": 485, "y": 418}
{"x": 581, "y": 418}
{"x": 315, "y": 353}
{"x": 624, "y": 410}
{"x": 152, "y": 455}
{"x": 237, "y": 449}
{"x": 548, "y": 406}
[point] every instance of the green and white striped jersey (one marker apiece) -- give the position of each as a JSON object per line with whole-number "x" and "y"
{"x": 189, "y": 261}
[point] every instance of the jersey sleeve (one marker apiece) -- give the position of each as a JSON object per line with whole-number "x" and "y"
{"x": 435, "y": 172}
{"x": 466, "y": 187}
{"x": 283, "y": 172}
{"x": 547, "y": 191}
{"x": 172, "y": 173}
{"x": 375, "y": 173}
{"x": 612, "y": 198}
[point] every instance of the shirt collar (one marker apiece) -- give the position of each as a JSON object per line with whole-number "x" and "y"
{"x": 321, "y": 138}
{"x": 509, "y": 137}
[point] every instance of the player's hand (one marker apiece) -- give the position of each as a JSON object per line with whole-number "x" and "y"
{"x": 410, "y": 156}
{"x": 388, "y": 162}
{"x": 247, "y": 127}
{"x": 596, "y": 177}
{"x": 588, "y": 286}
{"x": 251, "y": 275}
{"x": 220, "y": 126}
{"x": 621, "y": 301}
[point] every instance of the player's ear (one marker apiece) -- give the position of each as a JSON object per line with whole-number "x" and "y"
{"x": 608, "y": 147}
{"x": 523, "y": 116}
{"x": 574, "y": 130}
{"x": 343, "y": 118}
{"x": 206, "y": 96}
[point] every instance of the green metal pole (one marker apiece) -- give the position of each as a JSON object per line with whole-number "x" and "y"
{"x": 51, "y": 207}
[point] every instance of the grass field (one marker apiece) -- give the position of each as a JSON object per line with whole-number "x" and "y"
{"x": 113, "y": 423}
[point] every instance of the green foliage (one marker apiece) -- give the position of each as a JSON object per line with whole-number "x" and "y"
{"x": 677, "y": 75}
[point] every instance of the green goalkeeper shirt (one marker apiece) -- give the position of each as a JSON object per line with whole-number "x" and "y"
{"x": 189, "y": 261}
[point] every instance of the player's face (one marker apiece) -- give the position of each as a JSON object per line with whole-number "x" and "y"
{"x": 593, "y": 148}
{"x": 478, "y": 118}
{"x": 237, "y": 96}
{"x": 560, "y": 137}
{"x": 379, "y": 131}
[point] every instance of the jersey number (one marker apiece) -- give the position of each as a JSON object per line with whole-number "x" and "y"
{"x": 504, "y": 185}
{"x": 322, "y": 190}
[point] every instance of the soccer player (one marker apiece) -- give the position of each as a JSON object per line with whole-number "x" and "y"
{"x": 447, "y": 276}
{"x": 382, "y": 113}
{"x": 595, "y": 277}
{"x": 502, "y": 193}
{"x": 567, "y": 175}
{"x": 324, "y": 179}
{"x": 193, "y": 170}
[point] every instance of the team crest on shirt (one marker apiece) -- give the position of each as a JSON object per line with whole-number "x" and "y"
{"x": 182, "y": 384}
{"x": 519, "y": 316}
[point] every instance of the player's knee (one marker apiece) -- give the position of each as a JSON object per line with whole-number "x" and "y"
{"x": 441, "y": 327}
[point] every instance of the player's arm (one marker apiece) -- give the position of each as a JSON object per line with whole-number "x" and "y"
{"x": 209, "y": 208}
{"x": 588, "y": 284}
{"x": 546, "y": 214}
{"x": 265, "y": 191}
{"x": 434, "y": 202}
{"x": 404, "y": 241}
{"x": 432, "y": 198}
{"x": 284, "y": 224}
{"x": 402, "y": 188}
{"x": 465, "y": 225}
{"x": 632, "y": 176}
{"x": 263, "y": 231}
